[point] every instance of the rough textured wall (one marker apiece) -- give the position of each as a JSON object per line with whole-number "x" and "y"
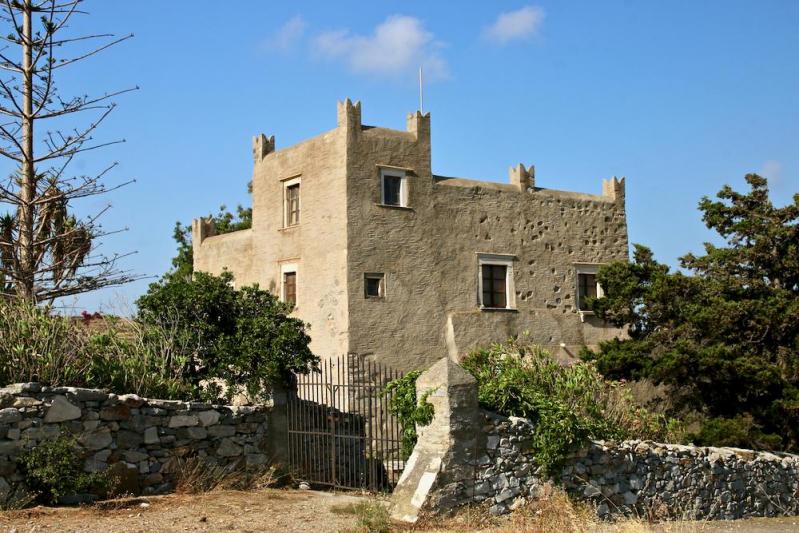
{"x": 317, "y": 245}
{"x": 144, "y": 440}
{"x": 231, "y": 251}
{"x": 641, "y": 478}
{"x": 429, "y": 254}
{"x": 427, "y": 251}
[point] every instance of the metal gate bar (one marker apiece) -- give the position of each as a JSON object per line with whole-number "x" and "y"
{"x": 340, "y": 431}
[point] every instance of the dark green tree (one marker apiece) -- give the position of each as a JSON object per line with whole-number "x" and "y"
{"x": 244, "y": 337}
{"x": 724, "y": 336}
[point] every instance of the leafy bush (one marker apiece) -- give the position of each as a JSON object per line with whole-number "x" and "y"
{"x": 568, "y": 405}
{"x": 410, "y": 412}
{"x": 36, "y": 345}
{"x": 242, "y": 337}
{"x": 54, "y": 469}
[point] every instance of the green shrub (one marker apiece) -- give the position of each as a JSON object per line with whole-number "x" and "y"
{"x": 404, "y": 405}
{"x": 38, "y": 346}
{"x": 568, "y": 405}
{"x": 54, "y": 469}
{"x": 242, "y": 337}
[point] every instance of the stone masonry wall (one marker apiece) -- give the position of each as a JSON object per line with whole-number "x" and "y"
{"x": 470, "y": 456}
{"x": 641, "y": 478}
{"x": 139, "y": 438}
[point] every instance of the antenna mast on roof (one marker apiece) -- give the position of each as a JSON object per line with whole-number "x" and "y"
{"x": 421, "y": 93}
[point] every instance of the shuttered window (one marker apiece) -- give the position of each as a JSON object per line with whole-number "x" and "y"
{"x": 290, "y": 287}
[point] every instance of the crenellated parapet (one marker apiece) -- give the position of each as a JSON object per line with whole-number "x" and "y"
{"x": 349, "y": 116}
{"x": 202, "y": 228}
{"x": 521, "y": 177}
{"x": 262, "y": 146}
{"x": 614, "y": 189}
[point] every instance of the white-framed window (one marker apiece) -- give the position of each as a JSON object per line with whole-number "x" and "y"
{"x": 291, "y": 202}
{"x": 288, "y": 283}
{"x": 587, "y": 285}
{"x": 393, "y": 187}
{"x": 374, "y": 285}
{"x": 495, "y": 281}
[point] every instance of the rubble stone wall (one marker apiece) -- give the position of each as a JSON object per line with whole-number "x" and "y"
{"x": 641, "y": 478}
{"x": 142, "y": 439}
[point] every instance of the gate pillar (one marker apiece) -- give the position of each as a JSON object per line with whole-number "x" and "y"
{"x": 440, "y": 472}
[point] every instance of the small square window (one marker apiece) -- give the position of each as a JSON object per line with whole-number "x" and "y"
{"x": 394, "y": 189}
{"x": 374, "y": 285}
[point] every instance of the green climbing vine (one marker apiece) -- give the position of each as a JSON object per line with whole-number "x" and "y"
{"x": 410, "y": 411}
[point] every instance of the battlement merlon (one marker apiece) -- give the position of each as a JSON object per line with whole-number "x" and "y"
{"x": 349, "y": 116}
{"x": 201, "y": 229}
{"x": 262, "y": 146}
{"x": 521, "y": 177}
{"x": 418, "y": 123}
{"x": 613, "y": 189}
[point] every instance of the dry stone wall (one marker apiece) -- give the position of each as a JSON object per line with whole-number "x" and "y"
{"x": 469, "y": 456}
{"x": 144, "y": 440}
{"x": 641, "y": 478}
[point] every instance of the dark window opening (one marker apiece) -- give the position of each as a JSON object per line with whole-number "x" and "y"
{"x": 290, "y": 287}
{"x": 495, "y": 285}
{"x": 392, "y": 190}
{"x": 586, "y": 289}
{"x": 293, "y": 204}
{"x": 373, "y": 286}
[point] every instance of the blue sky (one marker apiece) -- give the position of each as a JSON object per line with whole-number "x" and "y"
{"x": 679, "y": 97}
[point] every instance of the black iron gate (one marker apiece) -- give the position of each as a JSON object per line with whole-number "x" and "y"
{"x": 340, "y": 431}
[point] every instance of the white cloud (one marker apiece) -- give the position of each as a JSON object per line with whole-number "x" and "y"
{"x": 772, "y": 170}
{"x": 288, "y": 35}
{"x": 399, "y": 45}
{"x": 521, "y": 24}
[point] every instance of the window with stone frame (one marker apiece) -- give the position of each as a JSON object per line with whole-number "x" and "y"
{"x": 495, "y": 279}
{"x": 290, "y": 287}
{"x": 291, "y": 202}
{"x": 394, "y": 188}
{"x": 587, "y": 286}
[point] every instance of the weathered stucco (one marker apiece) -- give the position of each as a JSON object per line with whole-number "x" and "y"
{"x": 428, "y": 251}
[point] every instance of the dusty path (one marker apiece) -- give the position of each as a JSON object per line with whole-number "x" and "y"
{"x": 263, "y": 510}
{"x": 285, "y": 511}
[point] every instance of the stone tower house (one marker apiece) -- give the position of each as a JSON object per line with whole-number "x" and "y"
{"x": 386, "y": 260}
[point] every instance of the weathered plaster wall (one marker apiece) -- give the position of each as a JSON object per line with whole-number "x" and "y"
{"x": 142, "y": 440}
{"x": 317, "y": 245}
{"x": 428, "y": 252}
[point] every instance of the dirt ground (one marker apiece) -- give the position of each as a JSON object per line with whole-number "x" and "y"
{"x": 291, "y": 510}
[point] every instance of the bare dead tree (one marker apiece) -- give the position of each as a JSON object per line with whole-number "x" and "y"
{"x": 46, "y": 252}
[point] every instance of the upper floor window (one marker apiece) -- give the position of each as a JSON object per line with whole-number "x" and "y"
{"x": 291, "y": 202}
{"x": 496, "y": 282}
{"x": 587, "y": 285}
{"x": 394, "y": 188}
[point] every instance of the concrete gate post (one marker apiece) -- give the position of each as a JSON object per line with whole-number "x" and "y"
{"x": 439, "y": 474}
